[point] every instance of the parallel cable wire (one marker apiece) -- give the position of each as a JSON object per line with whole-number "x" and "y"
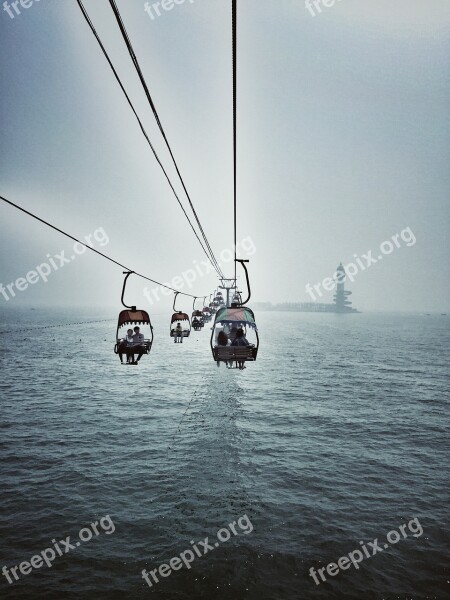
{"x": 30, "y": 214}
{"x": 234, "y": 51}
{"x": 158, "y": 121}
{"x": 116, "y": 75}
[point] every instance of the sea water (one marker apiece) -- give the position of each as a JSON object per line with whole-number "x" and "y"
{"x": 335, "y": 437}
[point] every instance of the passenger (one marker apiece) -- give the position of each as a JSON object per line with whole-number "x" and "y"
{"x": 222, "y": 339}
{"x": 138, "y": 345}
{"x": 240, "y": 340}
{"x": 178, "y": 333}
{"x": 233, "y": 333}
{"x": 217, "y": 331}
{"x": 124, "y": 346}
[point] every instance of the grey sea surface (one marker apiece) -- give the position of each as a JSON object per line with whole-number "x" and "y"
{"x": 337, "y": 435}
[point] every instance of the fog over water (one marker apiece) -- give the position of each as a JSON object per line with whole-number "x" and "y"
{"x": 343, "y": 143}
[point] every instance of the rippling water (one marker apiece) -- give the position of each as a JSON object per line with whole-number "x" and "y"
{"x": 335, "y": 435}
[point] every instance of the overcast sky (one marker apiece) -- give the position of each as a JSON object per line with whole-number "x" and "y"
{"x": 343, "y": 143}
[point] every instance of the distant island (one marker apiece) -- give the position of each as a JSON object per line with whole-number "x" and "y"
{"x": 341, "y": 304}
{"x": 303, "y": 307}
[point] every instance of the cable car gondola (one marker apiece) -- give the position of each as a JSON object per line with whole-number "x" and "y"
{"x": 230, "y": 326}
{"x": 206, "y": 313}
{"x": 237, "y": 298}
{"x": 133, "y": 341}
{"x": 180, "y": 325}
{"x": 218, "y": 299}
{"x": 197, "y": 318}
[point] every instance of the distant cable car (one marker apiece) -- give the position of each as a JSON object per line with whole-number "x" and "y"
{"x": 134, "y": 342}
{"x": 229, "y": 343}
{"x": 180, "y": 325}
{"x": 218, "y": 299}
{"x": 197, "y": 318}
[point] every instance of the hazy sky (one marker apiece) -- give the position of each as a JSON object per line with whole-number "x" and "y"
{"x": 344, "y": 142}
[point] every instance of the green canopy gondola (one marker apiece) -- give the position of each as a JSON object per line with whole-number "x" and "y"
{"x": 233, "y": 318}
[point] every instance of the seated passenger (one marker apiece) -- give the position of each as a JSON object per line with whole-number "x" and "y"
{"x": 138, "y": 345}
{"x": 124, "y": 346}
{"x": 222, "y": 339}
{"x": 240, "y": 340}
{"x": 178, "y": 337}
{"x": 233, "y": 333}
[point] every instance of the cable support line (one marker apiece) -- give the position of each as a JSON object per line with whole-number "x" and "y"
{"x": 30, "y": 214}
{"x": 159, "y": 123}
{"x": 60, "y": 325}
{"x": 234, "y": 57}
{"x": 119, "y": 81}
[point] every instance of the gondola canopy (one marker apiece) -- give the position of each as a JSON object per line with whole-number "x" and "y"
{"x": 133, "y": 317}
{"x": 179, "y": 316}
{"x": 241, "y": 314}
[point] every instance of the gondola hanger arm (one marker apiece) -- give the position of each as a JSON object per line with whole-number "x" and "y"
{"x": 127, "y": 274}
{"x": 174, "y": 301}
{"x": 242, "y": 303}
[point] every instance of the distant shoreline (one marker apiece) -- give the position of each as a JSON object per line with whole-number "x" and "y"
{"x": 315, "y": 307}
{"x": 257, "y": 306}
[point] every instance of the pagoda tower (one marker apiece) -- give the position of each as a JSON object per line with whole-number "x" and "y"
{"x": 341, "y": 302}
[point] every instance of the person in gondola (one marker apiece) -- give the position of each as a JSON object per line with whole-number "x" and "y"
{"x": 233, "y": 333}
{"x": 222, "y": 339}
{"x": 124, "y": 346}
{"x": 138, "y": 345}
{"x": 178, "y": 333}
{"x": 240, "y": 340}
